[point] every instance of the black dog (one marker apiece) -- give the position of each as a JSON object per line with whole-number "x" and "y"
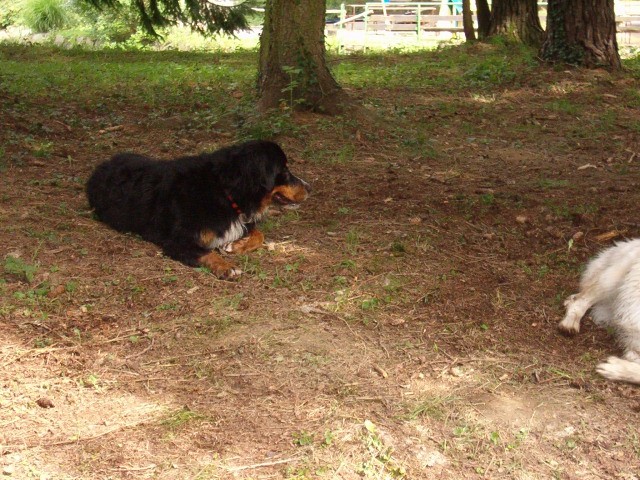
{"x": 193, "y": 205}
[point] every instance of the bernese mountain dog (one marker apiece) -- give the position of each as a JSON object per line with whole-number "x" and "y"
{"x": 195, "y": 205}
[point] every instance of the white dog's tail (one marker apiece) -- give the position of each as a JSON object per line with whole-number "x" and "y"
{"x": 621, "y": 370}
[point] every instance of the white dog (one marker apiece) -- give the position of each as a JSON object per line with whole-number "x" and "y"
{"x": 610, "y": 286}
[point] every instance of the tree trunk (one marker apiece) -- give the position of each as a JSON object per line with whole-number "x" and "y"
{"x": 467, "y": 21}
{"x": 582, "y": 32}
{"x": 484, "y": 18}
{"x": 517, "y": 19}
{"x": 293, "y": 72}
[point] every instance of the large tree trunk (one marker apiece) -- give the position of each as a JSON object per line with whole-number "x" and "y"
{"x": 517, "y": 19}
{"x": 293, "y": 71}
{"x": 467, "y": 21}
{"x": 582, "y": 32}
{"x": 484, "y": 18}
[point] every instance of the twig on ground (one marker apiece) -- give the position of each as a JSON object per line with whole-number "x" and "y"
{"x": 260, "y": 465}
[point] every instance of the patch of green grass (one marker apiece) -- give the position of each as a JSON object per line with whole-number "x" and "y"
{"x": 180, "y": 418}
{"x": 633, "y": 64}
{"x": 268, "y": 126}
{"x": 448, "y": 69}
{"x": 352, "y": 241}
{"x": 175, "y": 83}
{"x": 566, "y": 211}
{"x": 564, "y": 105}
{"x": 331, "y": 156}
{"x": 302, "y": 439}
{"x": 168, "y": 306}
{"x": 552, "y": 183}
{"x": 20, "y": 268}
{"x": 436, "y": 407}
{"x": 90, "y": 381}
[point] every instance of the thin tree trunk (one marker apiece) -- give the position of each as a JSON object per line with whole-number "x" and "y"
{"x": 517, "y": 19}
{"x": 484, "y": 18}
{"x": 467, "y": 21}
{"x": 293, "y": 71}
{"x": 582, "y": 32}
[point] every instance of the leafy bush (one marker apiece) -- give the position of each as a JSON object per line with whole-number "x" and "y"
{"x": 8, "y": 14}
{"x": 44, "y": 15}
{"x": 116, "y": 24}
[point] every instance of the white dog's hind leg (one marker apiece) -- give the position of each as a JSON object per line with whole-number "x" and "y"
{"x": 577, "y": 305}
{"x": 620, "y": 370}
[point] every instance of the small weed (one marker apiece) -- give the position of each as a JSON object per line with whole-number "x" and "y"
{"x": 90, "y": 381}
{"x": 520, "y": 438}
{"x": 398, "y": 248}
{"x": 163, "y": 307}
{"x": 42, "y": 342}
{"x": 370, "y": 304}
{"x": 487, "y": 198}
{"x": 552, "y": 183}
{"x": 71, "y": 286}
{"x": 169, "y": 276}
{"x": 302, "y": 439}
{"x": 340, "y": 281}
{"x": 352, "y": 240}
{"x": 565, "y": 106}
{"x": 435, "y": 407}
{"x": 251, "y": 265}
{"x": 347, "y": 264}
{"x": 329, "y": 437}
{"x": 17, "y": 266}
{"x": 42, "y": 150}
{"x": 381, "y": 463}
{"x": 181, "y": 417}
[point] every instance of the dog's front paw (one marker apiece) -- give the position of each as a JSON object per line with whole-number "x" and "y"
{"x": 569, "y": 327}
{"x": 229, "y": 273}
{"x": 252, "y": 241}
{"x": 219, "y": 266}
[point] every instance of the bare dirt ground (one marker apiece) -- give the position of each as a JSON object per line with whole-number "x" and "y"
{"x": 401, "y": 323}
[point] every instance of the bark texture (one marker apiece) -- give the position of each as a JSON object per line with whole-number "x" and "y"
{"x": 293, "y": 70}
{"x": 484, "y": 18}
{"x": 517, "y": 19}
{"x": 582, "y": 32}
{"x": 467, "y": 21}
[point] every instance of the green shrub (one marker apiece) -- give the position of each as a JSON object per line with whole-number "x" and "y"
{"x": 44, "y": 15}
{"x": 107, "y": 24}
{"x": 8, "y": 14}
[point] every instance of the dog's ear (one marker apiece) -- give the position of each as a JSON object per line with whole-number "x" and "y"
{"x": 252, "y": 168}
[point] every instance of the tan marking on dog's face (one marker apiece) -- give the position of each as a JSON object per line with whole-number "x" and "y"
{"x": 292, "y": 193}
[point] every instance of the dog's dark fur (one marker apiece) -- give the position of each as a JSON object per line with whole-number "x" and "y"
{"x": 193, "y": 205}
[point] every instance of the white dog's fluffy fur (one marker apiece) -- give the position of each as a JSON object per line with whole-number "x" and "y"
{"x": 610, "y": 286}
